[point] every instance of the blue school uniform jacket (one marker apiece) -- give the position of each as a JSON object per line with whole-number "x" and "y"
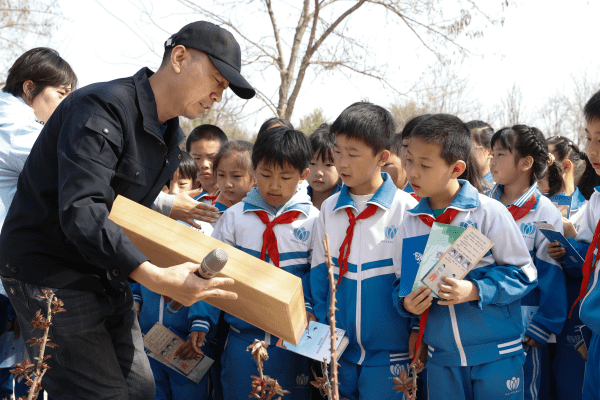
{"x": 489, "y": 329}
{"x": 378, "y": 335}
{"x": 586, "y": 228}
{"x": 239, "y": 226}
{"x": 550, "y": 295}
{"x": 202, "y": 198}
{"x": 154, "y": 309}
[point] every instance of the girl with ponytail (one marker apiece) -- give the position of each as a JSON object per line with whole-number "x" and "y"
{"x": 520, "y": 158}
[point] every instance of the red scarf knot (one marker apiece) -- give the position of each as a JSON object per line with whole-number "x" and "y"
{"x": 269, "y": 239}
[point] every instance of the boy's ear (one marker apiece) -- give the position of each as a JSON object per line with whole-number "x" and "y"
{"x": 304, "y": 174}
{"x": 490, "y": 154}
{"x": 567, "y": 164}
{"x": 458, "y": 169}
{"x": 383, "y": 158}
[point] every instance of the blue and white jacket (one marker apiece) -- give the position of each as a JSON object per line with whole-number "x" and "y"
{"x": 589, "y": 310}
{"x": 550, "y": 295}
{"x": 378, "y": 335}
{"x": 154, "y": 309}
{"x": 239, "y": 226}
{"x": 202, "y": 197}
{"x": 489, "y": 329}
{"x": 588, "y": 218}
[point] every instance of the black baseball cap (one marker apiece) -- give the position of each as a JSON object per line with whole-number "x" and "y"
{"x": 222, "y": 49}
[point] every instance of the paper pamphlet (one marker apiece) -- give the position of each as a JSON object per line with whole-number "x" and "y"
{"x": 315, "y": 342}
{"x": 163, "y": 344}
{"x": 440, "y": 239}
{"x": 412, "y": 254}
{"x": 572, "y": 258}
{"x": 463, "y": 255}
{"x": 563, "y": 203}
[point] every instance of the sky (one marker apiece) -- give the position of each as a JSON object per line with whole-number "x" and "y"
{"x": 539, "y": 46}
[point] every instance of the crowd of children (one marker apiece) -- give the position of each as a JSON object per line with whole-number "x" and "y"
{"x": 373, "y": 190}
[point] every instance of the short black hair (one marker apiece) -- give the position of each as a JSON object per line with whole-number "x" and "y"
{"x": 410, "y": 125}
{"x": 450, "y": 132}
{"x": 44, "y": 67}
{"x": 280, "y": 146}
{"x": 591, "y": 111}
{"x": 481, "y": 132}
{"x": 396, "y": 146}
{"x": 187, "y": 167}
{"x": 322, "y": 142}
{"x": 205, "y": 132}
{"x": 367, "y": 122}
{"x": 273, "y": 122}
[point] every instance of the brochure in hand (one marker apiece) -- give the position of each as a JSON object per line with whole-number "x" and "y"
{"x": 563, "y": 203}
{"x": 412, "y": 254}
{"x": 457, "y": 261}
{"x": 441, "y": 237}
{"x": 163, "y": 344}
{"x": 315, "y": 342}
{"x": 572, "y": 258}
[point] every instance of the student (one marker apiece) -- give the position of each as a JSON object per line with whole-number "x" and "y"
{"x": 588, "y": 237}
{"x": 481, "y": 136}
{"x": 393, "y": 165}
{"x": 520, "y": 158}
{"x": 280, "y": 160}
{"x": 361, "y": 221}
{"x": 203, "y": 144}
{"x": 474, "y": 329}
{"x": 406, "y": 132}
{"x": 323, "y": 178}
{"x": 233, "y": 173}
{"x": 273, "y": 123}
{"x": 568, "y": 367}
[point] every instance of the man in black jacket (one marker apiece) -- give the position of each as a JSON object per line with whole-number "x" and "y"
{"x": 120, "y": 137}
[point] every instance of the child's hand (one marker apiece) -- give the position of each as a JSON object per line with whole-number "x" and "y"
{"x": 421, "y": 353}
{"x": 197, "y": 339}
{"x": 456, "y": 291}
{"x": 555, "y": 250}
{"x": 138, "y": 308}
{"x": 310, "y": 316}
{"x": 187, "y": 351}
{"x": 531, "y": 342}
{"x": 569, "y": 228}
{"x": 418, "y": 301}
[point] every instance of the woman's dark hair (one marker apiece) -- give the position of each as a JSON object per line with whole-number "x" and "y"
{"x": 44, "y": 67}
{"x": 322, "y": 142}
{"x": 524, "y": 141}
{"x": 482, "y": 132}
{"x": 271, "y": 122}
{"x": 585, "y": 176}
{"x": 243, "y": 151}
{"x": 187, "y": 167}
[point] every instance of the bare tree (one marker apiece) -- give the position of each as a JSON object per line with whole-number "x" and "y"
{"x": 316, "y": 36}
{"x": 554, "y": 115}
{"x": 21, "y": 19}
{"x": 511, "y": 110}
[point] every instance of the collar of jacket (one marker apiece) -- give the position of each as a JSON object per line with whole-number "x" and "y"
{"x": 466, "y": 199}
{"x": 299, "y": 202}
{"x": 496, "y": 194}
{"x": 382, "y": 198}
{"x": 147, "y": 102}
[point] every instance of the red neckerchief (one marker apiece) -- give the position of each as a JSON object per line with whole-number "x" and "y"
{"x": 414, "y": 195}
{"x": 445, "y": 218}
{"x": 269, "y": 239}
{"x": 587, "y": 267}
{"x": 520, "y": 212}
{"x": 167, "y": 299}
{"x": 345, "y": 247}
{"x": 212, "y": 198}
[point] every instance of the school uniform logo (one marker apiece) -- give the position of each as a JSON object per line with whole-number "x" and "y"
{"x": 513, "y": 384}
{"x": 390, "y": 232}
{"x": 528, "y": 229}
{"x": 301, "y": 236}
{"x": 301, "y": 380}
{"x": 465, "y": 224}
{"x": 396, "y": 369}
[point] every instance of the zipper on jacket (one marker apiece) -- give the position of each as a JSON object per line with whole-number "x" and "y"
{"x": 461, "y": 350}
{"x": 359, "y": 294}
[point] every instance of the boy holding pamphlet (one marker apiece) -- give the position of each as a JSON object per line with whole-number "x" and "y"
{"x": 361, "y": 221}
{"x": 474, "y": 329}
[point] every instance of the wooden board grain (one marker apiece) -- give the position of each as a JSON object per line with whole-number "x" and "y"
{"x": 268, "y": 297}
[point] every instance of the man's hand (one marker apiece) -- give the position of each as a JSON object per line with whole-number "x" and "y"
{"x": 310, "y": 316}
{"x": 186, "y": 209}
{"x": 531, "y": 342}
{"x": 192, "y": 347}
{"x": 555, "y": 250}
{"x": 456, "y": 291}
{"x": 418, "y": 301}
{"x": 180, "y": 283}
{"x": 569, "y": 228}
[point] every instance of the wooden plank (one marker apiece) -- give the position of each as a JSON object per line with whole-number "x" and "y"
{"x": 268, "y": 297}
